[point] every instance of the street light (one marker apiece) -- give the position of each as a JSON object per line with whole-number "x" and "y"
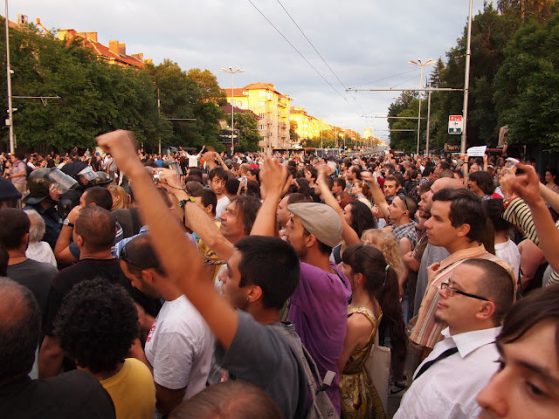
{"x": 232, "y": 71}
{"x": 466, "y": 80}
{"x": 420, "y": 64}
{"x": 10, "y": 120}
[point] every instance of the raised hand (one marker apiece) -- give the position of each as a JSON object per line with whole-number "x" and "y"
{"x": 122, "y": 146}
{"x": 527, "y": 184}
{"x": 272, "y": 177}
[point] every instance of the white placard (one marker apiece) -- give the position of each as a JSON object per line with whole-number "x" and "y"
{"x": 478, "y": 151}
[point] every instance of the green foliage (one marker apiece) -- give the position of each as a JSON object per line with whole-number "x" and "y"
{"x": 527, "y": 84}
{"x": 97, "y": 97}
{"x": 249, "y": 137}
{"x": 492, "y": 30}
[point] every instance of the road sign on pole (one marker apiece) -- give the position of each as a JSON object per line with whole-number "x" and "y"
{"x": 455, "y": 124}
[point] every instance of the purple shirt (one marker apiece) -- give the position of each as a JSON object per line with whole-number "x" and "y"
{"x": 318, "y": 310}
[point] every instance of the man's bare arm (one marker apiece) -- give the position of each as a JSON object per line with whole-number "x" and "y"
{"x": 169, "y": 241}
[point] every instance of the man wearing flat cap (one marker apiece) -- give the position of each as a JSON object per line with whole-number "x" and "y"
{"x": 318, "y": 307}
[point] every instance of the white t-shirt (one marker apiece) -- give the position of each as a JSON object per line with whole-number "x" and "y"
{"x": 221, "y": 205}
{"x": 508, "y": 251}
{"x": 193, "y": 159}
{"x": 180, "y": 347}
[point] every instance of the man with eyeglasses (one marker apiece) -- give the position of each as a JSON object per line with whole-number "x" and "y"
{"x": 459, "y": 224}
{"x": 473, "y": 302}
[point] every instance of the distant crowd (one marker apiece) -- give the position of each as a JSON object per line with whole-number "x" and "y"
{"x": 207, "y": 285}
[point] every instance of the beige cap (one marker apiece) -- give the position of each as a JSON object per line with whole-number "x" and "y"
{"x": 320, "y": 220}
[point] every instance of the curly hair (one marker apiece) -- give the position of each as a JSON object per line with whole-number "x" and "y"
{"x": 96, "y": 324}
{"x": 388, "y": 245}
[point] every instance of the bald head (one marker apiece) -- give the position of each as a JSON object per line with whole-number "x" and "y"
{"x": 438, "y": 185}
{"x": 20, "y": 325}
{"x": 446, "y": 183}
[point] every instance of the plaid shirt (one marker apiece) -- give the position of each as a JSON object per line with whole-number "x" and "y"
{"x": 406, "y": 230}
{"x": 427, "y": 329}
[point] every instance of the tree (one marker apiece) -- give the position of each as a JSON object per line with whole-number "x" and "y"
{"x": 249, "y": 137}
{"x": 527, "y": 85}
{"x": 95, "y": 96}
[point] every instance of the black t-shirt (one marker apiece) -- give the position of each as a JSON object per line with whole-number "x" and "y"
{"x": 75, "y": 394}
{"x": 36, "y": 276}
{"x": 84, "y": 270}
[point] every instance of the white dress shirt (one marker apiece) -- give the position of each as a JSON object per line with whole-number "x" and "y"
{"x": 448, "y": 389}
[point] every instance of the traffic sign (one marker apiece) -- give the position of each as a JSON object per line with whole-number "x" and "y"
{"x": 455, "y": 124}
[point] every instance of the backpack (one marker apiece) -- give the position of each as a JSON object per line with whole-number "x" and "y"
{"x": 321, "y": 407}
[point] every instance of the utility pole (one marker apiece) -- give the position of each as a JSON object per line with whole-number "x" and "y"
{"x": 10, "y": 120}
{"x": 427, "y": 133}
{"x": 420, "y": 64}
{"x": 232, "y": 71}
{"x": 467, "y": 80}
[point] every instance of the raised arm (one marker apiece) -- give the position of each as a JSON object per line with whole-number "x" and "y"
{"x": 378, "y": 196}
{"x": 196, "y": 219}
{"x": 551, "y": 197}
{"x": 272, "y": 176}
{"x": 348, "y": 234}
{"x": 526, "y": 185}
{"x": 169, "y": 241}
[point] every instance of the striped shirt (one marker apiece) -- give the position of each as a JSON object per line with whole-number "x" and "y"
{"x": 518, "y": 213}
{"x": 427, "y": 329}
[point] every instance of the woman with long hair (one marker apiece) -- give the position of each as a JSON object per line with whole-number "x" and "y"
{"x": 359, "y": 217}
{"x": 392, "y": 327}
{"x": 374, "y": 284}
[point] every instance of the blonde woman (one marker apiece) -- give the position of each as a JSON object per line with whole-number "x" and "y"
{"x": 121, "y": 199}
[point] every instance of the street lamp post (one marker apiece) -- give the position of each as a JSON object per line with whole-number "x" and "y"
{"x": 420, "y": 64}
{"x": 232, "y": 71}
{"x": 466, "y": 80}
{"x": 10, "y": 120}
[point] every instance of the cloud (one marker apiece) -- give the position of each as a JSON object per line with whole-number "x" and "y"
{"x": 367, "y": 43}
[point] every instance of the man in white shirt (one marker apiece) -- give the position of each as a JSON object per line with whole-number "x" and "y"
{"x": 473, "y": 303}
{"x": 179, "y": 345}
{"x": 218, "y": 178}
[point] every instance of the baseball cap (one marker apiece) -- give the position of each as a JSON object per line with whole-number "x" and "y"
{"x": 320, "y": 220}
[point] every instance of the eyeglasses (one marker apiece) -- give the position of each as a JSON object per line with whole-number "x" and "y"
{"x": 451, "y": 291}
{"x": 404, "y": 200}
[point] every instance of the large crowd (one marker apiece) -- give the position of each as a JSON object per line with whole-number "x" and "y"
{"x": 205, "y": 285}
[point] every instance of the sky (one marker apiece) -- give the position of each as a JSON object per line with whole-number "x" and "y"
{"x": 363, "y": 43}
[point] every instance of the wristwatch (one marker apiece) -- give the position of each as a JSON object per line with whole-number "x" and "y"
{"x": 67, "y": 222}
{"x": 183, "y": 202}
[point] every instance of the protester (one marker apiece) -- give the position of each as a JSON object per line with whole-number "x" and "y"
{"x": 96, "y": 325}
{"x": 525, "y": 384}
{"x": 179, "y": 345}
{"x": 473, "y": 302}
{"x": 70, "y": 395}
{"x": 14, "y": 236}
{"x": 250, "y": 347}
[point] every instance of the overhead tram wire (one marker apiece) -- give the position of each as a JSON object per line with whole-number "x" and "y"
{"x": 311, "y": 44}
{"x": 298, "y": 52}
{"x": 319, "y": 54}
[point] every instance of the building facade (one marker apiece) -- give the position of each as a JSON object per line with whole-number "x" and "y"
{"x": 307, "y": 126}
{"x": 272, "y": 109}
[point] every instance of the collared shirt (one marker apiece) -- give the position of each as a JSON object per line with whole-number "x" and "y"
{"x": 427, "y": 330}
{"x": 448, "y": 389}
{"x": 406, "y": 230}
